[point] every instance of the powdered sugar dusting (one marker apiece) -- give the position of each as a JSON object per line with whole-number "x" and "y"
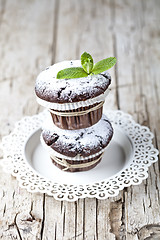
{"x": 51, "y": 89}
{"x": 83, "y": 142}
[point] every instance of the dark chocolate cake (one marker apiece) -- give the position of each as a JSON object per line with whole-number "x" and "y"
{"x": 53, "y": 90}
{"x": 78, "y": 146}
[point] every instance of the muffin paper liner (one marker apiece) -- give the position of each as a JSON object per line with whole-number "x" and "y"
{"x": 76, "y": 166}
{"x": 78, "y": 118}
{"x": 75, "y": 105}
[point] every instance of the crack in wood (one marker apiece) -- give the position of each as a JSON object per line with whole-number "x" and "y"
{"x": 149, "y": 196}
{"x": 156, "y": 178}
{"x": 75, "y": 233}
{"x": 123, "y": 219}
{"x": 145, "y": 187}
{"x": 18, "y": 230}
{"x": 43, "y": 217}
{"x": 55, "y": 232}
{"x": 149, "y": 232}
{"x": 11, "y": 225}
{"x": 62, "y": 206}
{"x": 146, "y": 110}
{"x": 96, "y": 218}
{"x": 55, "y": 28}
{"x": 3, "y": 194}
{"x": 64, "y": 220}
{"x": 156, "y": 145}
{"x": 113, "y": 17}
{"x": 117, "y": 218}
{"x": 13, "y": 194}
{"x": 131, "y": 194}
{"x": 32, "y": 218}
{"x": 156, "y": 181}
{"x": 116, "y": 71}
{"x": 84, "y": 218}
{"x": 144, "y": 208}
{"x": 4, "y": 209}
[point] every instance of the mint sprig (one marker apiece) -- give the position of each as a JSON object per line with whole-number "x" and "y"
{"x": 73, "y": 72}
{"x": 88, "y": 67}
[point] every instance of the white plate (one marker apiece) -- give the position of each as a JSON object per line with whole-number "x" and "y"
{"x": 116, "y": 157}
{"x": 125, "y": 161}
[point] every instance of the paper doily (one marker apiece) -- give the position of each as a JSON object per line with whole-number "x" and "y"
{"x": 144, "y": 154}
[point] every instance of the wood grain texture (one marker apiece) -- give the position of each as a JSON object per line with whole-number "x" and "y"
{"x": 35, "y": 34}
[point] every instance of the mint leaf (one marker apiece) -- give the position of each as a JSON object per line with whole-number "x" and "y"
{"x": 88, "y": 68}
{"x": 87, "y": 62}
{"x": 73, "y": 72}
{"x": 104, "y": 65}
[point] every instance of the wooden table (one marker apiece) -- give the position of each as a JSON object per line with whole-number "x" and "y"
{"x": 37, "y": 33}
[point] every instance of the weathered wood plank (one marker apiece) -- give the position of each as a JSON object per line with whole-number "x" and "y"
{"x": 76, "y": 32}
{"x": 27, "y": 28}
{"x": 138, "y": 96}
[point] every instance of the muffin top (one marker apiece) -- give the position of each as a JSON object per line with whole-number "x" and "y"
{"x": 54, "y": 90}
{"x": 82, "y": 142}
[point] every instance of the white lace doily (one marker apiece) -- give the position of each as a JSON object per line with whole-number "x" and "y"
{"x": 144, "y": 154}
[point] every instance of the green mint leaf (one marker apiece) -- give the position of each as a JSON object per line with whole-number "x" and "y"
{"x": 104, "y": 65}
{"x": 87, "y": 62}
{"x": 73, "y": 72}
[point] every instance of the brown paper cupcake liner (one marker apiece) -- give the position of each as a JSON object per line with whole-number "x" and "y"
{"x": 82, "y": 117}
{"x": 76, "y": 166}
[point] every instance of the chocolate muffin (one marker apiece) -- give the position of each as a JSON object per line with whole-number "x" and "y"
{"x": 77, "y": 150}
{"x": 73, "y": 103}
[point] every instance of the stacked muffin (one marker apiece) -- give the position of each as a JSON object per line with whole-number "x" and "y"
{"x": 76, "y": 133}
